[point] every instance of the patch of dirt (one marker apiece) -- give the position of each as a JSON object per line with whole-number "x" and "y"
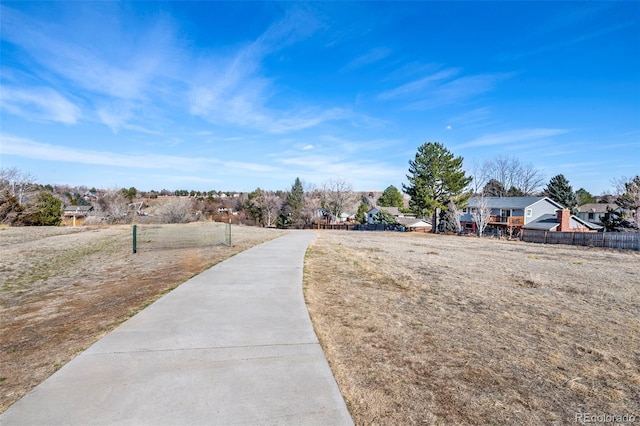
{"x": 61, "y": 289}
{"x": 484, "y": 332}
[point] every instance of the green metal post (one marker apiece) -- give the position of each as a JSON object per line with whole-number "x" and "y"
{"x": 135, "y": 248}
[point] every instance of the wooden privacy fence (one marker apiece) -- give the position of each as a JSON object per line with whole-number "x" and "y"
{"x": 617, "y": 240}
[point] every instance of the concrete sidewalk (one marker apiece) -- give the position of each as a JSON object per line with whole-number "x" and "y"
{"x": 233, "y": 345}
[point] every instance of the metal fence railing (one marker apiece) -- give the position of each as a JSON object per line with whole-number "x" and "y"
{"x": 176, "y": 236}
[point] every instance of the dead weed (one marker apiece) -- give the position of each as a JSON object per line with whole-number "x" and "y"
{"x": 488, "y": 332}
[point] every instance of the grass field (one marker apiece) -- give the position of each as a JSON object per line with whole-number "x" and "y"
{"x": 418, "y": 329}
{"x": 423, "y": 329}
{"x": 63, "y": 288}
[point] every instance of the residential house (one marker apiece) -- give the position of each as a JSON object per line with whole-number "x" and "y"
{"x": 510, "y": 214}
{"x": 414, "y": 224}
{"x": 394, "y": 211}
{"x": 72, "y": 213}
{"x": 346, "y": 218}
{"x": 595, "y": 212}
{"x": 562, "y": 221}
{"x": 408, "y": 221}
{"x": 77, "y": 211}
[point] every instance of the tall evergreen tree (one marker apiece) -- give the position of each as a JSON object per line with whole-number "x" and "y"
{"x": 494, "y": 188}
{"x": 363, "y": 208}
{"x": 561, "y": 192}
{"x": 435, "y": 178}
{"x": 391, "y": 197}
{"x": 584, "y": 197}
{"x": 292, "y": 209}
{"x": 46, "y": 212}
{"x": 384, "y": 217}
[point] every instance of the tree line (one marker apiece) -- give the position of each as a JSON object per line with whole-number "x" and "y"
{"x": 438, "y": 187}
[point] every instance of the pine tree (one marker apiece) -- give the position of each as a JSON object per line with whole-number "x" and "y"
{"x": 46, "y": 212}
{"x": 291, "y": 212}
{"x": 561, "y": 192}
{"x": 385, "y": 218}
{"x": 613, "y": 220}
{"x": 435, "y": 178}
{"x": 494, "y": 188}
{"x": 363, "y": 208}
{"x": 391, "y": 197}
{"x": 584, "y": 197}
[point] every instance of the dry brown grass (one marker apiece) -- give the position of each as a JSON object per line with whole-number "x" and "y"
{"x": 61, "y": 289}
{"x": 423, "y": 329}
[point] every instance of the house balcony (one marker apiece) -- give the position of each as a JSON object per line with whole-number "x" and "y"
{"x": 506, "y": 220}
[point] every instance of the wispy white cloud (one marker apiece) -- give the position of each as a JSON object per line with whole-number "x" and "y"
{"x": 567, "y": 42}
{"x": 416, "y": 87}
{"x": 565, "y": 27}
{"x": 251, "y": 167}
{"x": 318, "y": 168}
{"x": 307, "y": 147}
{"x": 458, "y": 90}
{"x": 373, "y": 56}
{"x": 232, "y": 89}
{"x": 188, "y": 179}
{"x": 473, "y": 117}
{"x": 142, "y": 63}
{"x": 513, "y": 136}
{"x": 442, "y": 88}
{"x": 357, "y": 145}
{"x": 306, "y": 119}
{"x": 123, "y": 66}
{"x": 40, "y": 103}
{"x": 21, "y": 147}
{"x": 568, "y": 17}
{"x": 122, "y": 115}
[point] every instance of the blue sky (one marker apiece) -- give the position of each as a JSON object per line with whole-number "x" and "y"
{"x": 239, "y": 95}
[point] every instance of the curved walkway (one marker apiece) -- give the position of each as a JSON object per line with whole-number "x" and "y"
{"x": 233, "y": 345}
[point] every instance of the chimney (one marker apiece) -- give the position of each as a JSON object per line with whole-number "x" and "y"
{"x": 564, "y": 219}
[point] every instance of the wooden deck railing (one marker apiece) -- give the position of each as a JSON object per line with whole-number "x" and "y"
{"x": 507, "y": 220}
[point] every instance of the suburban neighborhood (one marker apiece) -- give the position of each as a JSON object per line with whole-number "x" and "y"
{"x": 319, "y": 212}
{"x": 333, "y": 205}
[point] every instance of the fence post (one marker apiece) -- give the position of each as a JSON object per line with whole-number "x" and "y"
{"x": 135, "y": 248}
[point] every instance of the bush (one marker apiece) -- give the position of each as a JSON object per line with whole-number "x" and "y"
{"x": 46, "y": 212}
{"x": 10, "y": 209}
{"x": 176, "y": 211}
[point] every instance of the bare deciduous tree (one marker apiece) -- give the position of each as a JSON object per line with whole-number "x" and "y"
{"x": 514, "y": 176}
{"x": 481, "y": 214}
{"x": 628, "y": 195}
{"x": 480, "y": 177}
{"x": 176, "y": 211}
{"x": 338, "y": 197}
{"x": 114, "y": 205}
{"x": 19, "y": 184}
{"x": 311, "y": 204}
{"x": 270, "y": 208}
